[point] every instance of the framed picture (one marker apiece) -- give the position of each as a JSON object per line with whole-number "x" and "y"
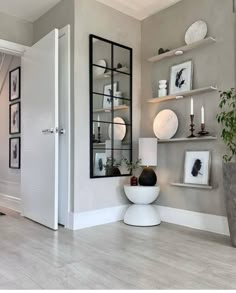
{"x": 197, "y": 167}
{"x": 107, "y": 98}
{"x": 14, "y": 84}
{"x": 100, "y": 161}
{"x": 181, "y": 78}
{"x": 14, "y": 118}
{"x": 14, "y": 153}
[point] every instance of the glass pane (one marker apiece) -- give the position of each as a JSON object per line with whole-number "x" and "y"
{"x": 101, "y": 55}
{"x": 121, "y": 59}
{"x": 109, "y": 163}
{"x": 102, "y": 85}
{"x": 122, "y": 82}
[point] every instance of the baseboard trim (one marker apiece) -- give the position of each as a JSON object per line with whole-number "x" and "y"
{"x": 97, "y": 217}
{"x": 10, "y": 202}
{"x": 195, "y": 220}
{"x": 200, "y": 221}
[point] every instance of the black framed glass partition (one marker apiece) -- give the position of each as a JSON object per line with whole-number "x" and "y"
{"x": 110, "y": 69}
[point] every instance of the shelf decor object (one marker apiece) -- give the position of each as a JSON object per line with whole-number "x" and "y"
{"x": 162, "y": 92}
{"x": 142, "y": 212}
{"x": 110, "y": 89}
{"x": 203, "y": 132}
{"x": 184, "y": 94}
{"x": 192, "y": 129}
{"x": 196, "y": 32}
{"x": 119, "y": 129}
{"x": 165, "y": 124}
{"x": 181, "y": 76}
{"x": 148, "y": 157}
{"x": 183, "y": 49}
{"x": 197, "y": 167}
{"x": 191, "y": 120}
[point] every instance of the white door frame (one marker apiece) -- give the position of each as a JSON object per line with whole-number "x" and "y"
{"x": 15, "y": 49}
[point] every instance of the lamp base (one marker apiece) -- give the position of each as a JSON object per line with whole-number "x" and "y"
{"x": 148, "y": 177}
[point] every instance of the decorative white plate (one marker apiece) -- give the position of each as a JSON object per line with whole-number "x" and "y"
{"x": 196, "y": 32}
{"x": 165, "y": 124}
{"x": 99, "y": 70}
{"x": 119, "y": 129}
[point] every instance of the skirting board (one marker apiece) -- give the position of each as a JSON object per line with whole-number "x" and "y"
{"x": 200, "y": 221}
{"x": 97, "y": 217}
{"x": 10, "y": 202}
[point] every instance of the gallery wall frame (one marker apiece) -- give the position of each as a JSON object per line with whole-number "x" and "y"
{"x": 14, "y": 152}
{"x": 15, "y": 118}
{"x": 15, "y": 84}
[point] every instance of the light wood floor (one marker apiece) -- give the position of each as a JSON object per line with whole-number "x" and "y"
{"x": 113, "y": 256}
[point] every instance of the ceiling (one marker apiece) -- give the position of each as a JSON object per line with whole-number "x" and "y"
{"x": 29, "y": 10}
{"x": 139, "y": 9}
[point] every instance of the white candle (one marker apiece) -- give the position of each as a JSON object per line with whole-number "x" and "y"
{"x": 191, "y": 107}
{"x": 202, "y": 115}
{"x": 98, "y": 121}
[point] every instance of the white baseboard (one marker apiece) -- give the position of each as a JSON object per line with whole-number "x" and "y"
{"x": 97, "y": 217}
{"x": 10, "y": 202}
{"x": 201, "y": 221}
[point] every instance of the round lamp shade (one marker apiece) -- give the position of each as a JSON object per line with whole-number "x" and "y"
{"x": 165, "y": 124}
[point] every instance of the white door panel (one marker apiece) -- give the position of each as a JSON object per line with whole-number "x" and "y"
{"x": 39, "y": 171}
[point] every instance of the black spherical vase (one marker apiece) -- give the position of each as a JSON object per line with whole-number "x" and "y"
{"x": 148, "y": 177}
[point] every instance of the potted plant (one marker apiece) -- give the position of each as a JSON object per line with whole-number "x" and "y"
{"x": 112, "y": 167}
{"x": 132, "y": 167}
{"x": 227, "y": 118}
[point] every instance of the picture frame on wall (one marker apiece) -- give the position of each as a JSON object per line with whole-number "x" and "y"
{"x": 100, "y": 161}
{"x": 181, "y": 76}
{"x": 107, "y": 98}
{"x": 14, "y": 118}
{"x": 197, "y": 167}
{"x": 15, "y": 84}
{"x": 14, "y": 153}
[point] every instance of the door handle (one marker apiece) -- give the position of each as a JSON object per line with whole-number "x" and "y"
{"x": 50, "y": 131}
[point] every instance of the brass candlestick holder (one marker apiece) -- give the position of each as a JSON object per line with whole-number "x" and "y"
{"x": 203, "y": 131}
{"x": 99, "y": 135}
{"x": 191, "y": 126}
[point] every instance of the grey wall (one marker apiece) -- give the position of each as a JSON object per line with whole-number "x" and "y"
{"x": 213, "y": 64}
{"x": 15, "y": 30}
{"x": 93, "y": 17}
{"x": 9, "y": 178}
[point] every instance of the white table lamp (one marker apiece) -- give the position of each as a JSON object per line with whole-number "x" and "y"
{"x": 148, "y": 156}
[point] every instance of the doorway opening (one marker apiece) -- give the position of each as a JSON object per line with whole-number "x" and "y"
{"x": 38, "y": 154}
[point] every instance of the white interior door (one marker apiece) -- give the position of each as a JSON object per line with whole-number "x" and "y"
{"x": 39, "y": 168}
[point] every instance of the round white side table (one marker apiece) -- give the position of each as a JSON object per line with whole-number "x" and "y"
{"x": 142, "y": 212}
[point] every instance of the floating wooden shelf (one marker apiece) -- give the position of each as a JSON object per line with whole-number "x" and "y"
{"x": 108, "y": 73}
{"x": 184, "y": 49}
{"x": 185, "y": 139}
{"x": 184, "y": 94}
{"x": 192, "y": 185}
{"x": 116, "y": 108}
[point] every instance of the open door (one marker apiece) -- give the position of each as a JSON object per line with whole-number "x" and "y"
{"x": 39, "y": 171}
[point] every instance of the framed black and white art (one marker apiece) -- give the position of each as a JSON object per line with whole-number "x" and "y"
{"x": 100, "y": 161}
{"x": 107, "y": 98}
{"x": 14, "y": 118}
{"x": 14, "y": 84}
{"x": 197, "y": 167}
{"x": 14, "y": 153}
{"x": 181, "y": 78}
